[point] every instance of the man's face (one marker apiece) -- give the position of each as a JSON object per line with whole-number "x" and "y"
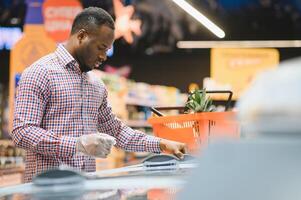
{"x": 92, "y": 47}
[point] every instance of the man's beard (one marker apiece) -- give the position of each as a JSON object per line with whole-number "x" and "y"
{"x": 84, "y": 68}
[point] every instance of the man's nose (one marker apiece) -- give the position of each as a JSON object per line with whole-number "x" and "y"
{"x": 103, "y": 57}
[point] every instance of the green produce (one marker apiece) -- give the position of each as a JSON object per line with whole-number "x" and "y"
{"x": 198, "y": 101}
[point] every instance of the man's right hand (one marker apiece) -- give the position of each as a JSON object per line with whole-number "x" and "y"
{"x": 97, "y": 145}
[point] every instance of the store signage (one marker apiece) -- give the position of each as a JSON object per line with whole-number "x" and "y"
{"x": 34, "y": 12}
{"x": 238, "y": 67}
{"x": 58, "y": 17}
{"x": 34, "y": 44}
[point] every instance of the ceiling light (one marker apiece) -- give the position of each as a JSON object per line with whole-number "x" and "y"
{"x": 239, "y": 44}
{"x": 200, "y": 18}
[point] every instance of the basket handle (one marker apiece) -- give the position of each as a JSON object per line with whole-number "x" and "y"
{"x": 222, "y": 92}
{"x": 157, "y": 112}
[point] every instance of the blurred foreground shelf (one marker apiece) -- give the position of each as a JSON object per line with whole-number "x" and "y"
{"x": 11, "y": 176}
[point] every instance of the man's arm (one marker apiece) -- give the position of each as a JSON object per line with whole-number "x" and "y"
{"x": 30, "y": 104}
{"x": 126, "y": 138}
{"x": 132, "y": 140}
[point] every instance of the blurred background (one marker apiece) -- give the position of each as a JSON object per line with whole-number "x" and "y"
{"x": 164, "y": 24}
{"x": 148, "y": 66}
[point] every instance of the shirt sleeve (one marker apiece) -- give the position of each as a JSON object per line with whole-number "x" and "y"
{"x": 30, "y": 104}
{"x": 126, "y": 138}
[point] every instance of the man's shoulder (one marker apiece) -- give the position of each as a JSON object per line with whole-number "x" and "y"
{"x": 46, "y": 61}
{"x": 43, "y": 64}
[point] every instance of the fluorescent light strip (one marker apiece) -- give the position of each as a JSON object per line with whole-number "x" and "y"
{"x": 200, "y": 18}
{"x": 239, "y": 44}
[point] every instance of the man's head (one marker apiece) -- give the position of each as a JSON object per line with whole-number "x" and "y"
{"x": 92, "y": 34}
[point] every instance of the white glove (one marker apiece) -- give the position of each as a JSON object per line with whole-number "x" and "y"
{"x": 97, "y": 145}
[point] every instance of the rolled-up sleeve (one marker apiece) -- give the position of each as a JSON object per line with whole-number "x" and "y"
{"x": 127, "y": 138}
{"x": 30, "y": 103}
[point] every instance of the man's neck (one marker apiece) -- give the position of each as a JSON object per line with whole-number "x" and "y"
{"x": 69, "y": 47}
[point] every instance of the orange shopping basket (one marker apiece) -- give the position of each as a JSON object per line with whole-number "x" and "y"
{"x": 197, "y": 129}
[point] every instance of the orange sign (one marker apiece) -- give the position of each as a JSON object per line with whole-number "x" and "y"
{"x": 237, "y": 67}
{"x": 33, "y": 45}
{"x": 58, "y": 17}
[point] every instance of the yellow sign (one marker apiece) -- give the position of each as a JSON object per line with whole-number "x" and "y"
{"x": 33, "y": 45}
{"x": 237, "y": 67}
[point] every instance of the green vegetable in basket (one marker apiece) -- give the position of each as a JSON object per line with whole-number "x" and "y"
{"x": 198, "y": 101}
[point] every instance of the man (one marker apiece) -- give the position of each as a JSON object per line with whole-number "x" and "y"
{"x": 62, "y": 114}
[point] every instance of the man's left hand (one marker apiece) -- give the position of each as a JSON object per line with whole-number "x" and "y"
{"x": 176, "y": 148}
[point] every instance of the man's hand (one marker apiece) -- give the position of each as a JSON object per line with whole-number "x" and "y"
{"x": 176, "y": 148}
{"x": 97, "y": 145}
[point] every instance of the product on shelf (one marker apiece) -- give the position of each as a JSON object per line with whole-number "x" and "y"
{"x": 10, "y": 156}
{"x": 11, "y": 164}
{"x": 117, "y": 91}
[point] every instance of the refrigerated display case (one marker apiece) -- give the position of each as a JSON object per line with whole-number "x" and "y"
{"x": 157, "y": 177}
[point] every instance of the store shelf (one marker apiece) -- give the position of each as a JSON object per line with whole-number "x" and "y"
{"x": 137, "y": 123}
{"x": 139, "y": 102}
{"x": 6, "y": 142}
{"x": 11, "y": 176}
{"x": 11, "y": 170}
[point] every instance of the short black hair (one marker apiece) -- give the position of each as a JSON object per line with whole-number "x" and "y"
{"x": 90, "y": 18}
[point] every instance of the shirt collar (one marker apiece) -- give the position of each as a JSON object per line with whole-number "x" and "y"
{"x": 66, "y": 58}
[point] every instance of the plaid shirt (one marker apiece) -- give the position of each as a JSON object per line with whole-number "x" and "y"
{"x": 55, "y": 104}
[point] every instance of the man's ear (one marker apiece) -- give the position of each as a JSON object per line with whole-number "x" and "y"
{"x": 81, "y": 35}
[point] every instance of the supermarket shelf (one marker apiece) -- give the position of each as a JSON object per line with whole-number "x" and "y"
{"x": 137, "y": 123}
{"x": 6, "y": 142}
{"x": 11, "y": 176}
{"x": 11, "y": 170}
{"x": 139, "y": 102}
